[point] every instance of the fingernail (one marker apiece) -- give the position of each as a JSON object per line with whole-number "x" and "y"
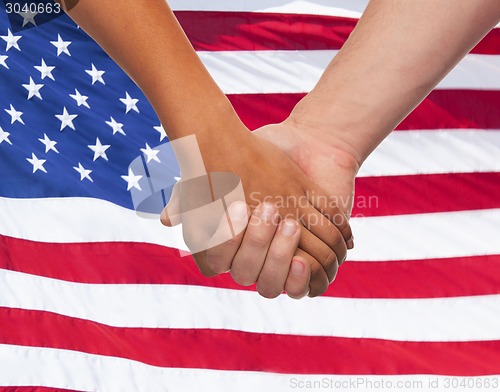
{"x": 238, "y": 211}
{"x": 297, "y": 268}
{"x": 350, "y": 243}
{"x": 267, "y": 211}
{"x": 288, "y": 228}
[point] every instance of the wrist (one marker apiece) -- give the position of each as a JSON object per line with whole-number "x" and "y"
{"x": 205, "y": 144}
{"x": 313, "y": 141}
{"x": 333, "y": 126}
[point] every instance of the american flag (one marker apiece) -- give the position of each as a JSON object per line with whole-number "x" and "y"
{"x": 95, "y": 298}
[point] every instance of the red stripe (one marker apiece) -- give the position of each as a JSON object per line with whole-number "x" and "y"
{"x": 231, "y": 31}
{"x": 137, "y": 263}
{"x": 431, "y": 278}
{"x": 442, "y": 109}
{"x": 227, "y": 31}
{"x": 33, "y": 389}
{"x": 398, "y": 195}
{"x": 221, "y": 349}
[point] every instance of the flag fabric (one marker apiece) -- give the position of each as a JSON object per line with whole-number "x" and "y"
{"x": 96, "y": 298}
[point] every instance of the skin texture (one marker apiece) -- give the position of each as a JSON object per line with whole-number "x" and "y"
{"x": 188, "y": 101}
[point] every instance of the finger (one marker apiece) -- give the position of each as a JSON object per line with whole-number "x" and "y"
{"x": 317, "y": 285}
{"x": 200, "y": 259}
{"x": 324, "y": 256}
{"x": 318, "y": 279}
{"x": 273, "y": 276}
{"x": 326, "y": 231}
{"x": 251, "y": 255}
{"x": 224, "y": 244}
{"x": 328, "y": 207}
{"x": 171, "y": 214}
{"x": 299, "y": 276}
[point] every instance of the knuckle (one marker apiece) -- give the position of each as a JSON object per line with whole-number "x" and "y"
{"x": 317, "y": 291}
{"x": 256, "y": 240}
{"x": 277, "y": 255}
{"x": 204, "y": 268}
{"x": 297, "y": 292}
{"x": 268, "y": 291}
{"x": 217, "y": 264}
{"x": 336, "y": 238}
{"x": 206, "y": 272}
{"x": 319, "y": 283}
{"x": 241, "y": 277}
{"x": 330, "y": 258}
{"x": 230, "y": 240}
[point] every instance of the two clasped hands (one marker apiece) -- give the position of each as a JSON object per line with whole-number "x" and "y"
{"x": 293, "y": 234}
{"x": 398, "y": 52}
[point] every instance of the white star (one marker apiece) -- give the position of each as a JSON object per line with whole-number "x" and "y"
{"x": 80, "y": 99}
{"x": 49, "y": 144}
{"x": 66, "y": 119}
{"x": 28, "y": 17}
{"x": 11, "y": 40}
{"x": 2, "y": 61}
{"x": 33, "y": 89}
{"x": 99, "y": 150}
{"x": 130, "y": 103}
{"x": 162, "y": 132}
{"x": 45, "y": 70}
{"x": 117, "y": 127}
{"x": 4, "y": 136}
{"x": 84, "y": 173}
{"x": 96, "y": 74}
{"x": 14, "y": 115}
{"x": 151, "y": 154}
{"x": 132, "y": 180}
{"x": 62, "y": 46}
{"x": 37, "y": 163}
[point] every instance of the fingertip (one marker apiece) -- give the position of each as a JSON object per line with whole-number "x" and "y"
{"x": 289, "y": 227}
{"x": 350, "y": 243}
{"x": 297, "y": 284}
{"x": 298, "y": 267}
{"x": 170, "y": 219}
{"x": 238, "y": 211}
{"x": 165, "y": 219}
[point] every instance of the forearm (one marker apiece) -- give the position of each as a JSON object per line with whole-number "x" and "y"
{"x": 145, "y": 39}
{"x": 395, "y": 56}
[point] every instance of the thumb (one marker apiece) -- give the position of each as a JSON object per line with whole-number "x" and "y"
{"x": 171, "y": 214}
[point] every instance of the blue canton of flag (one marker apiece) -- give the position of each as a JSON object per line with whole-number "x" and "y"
{"x": 72, "y": 121}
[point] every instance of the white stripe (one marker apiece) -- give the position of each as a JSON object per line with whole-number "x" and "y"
{"x": 426, "y": 236}
{"x": 183, "y": 306}
{"x": 28, "y": 366}
{"x": 343, "y": 8}
{"x": 81, "y": 220}
{"x": 431, "y": 152}
{"x": 405, "y": 237}
{"x": 280, "y": 71}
